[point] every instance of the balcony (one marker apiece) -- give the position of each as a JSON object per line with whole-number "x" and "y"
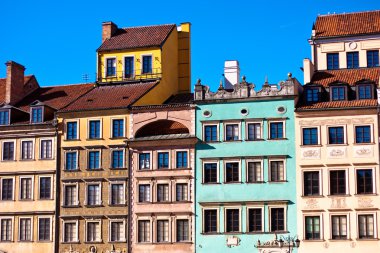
{"x": 123, "y": 77}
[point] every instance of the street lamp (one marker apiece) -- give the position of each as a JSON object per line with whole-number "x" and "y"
{"x": 290, "y": 241}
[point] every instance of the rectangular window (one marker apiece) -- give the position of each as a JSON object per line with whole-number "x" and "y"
{"x": 338, "y": 93}
{"x": 312, "y": 95}
{"x": 4, "y": 118}
{"x": 255, "y": 220}
{"x": 364, "y": 91}
{"x": 181, "y": 192}
{"x": 364, "y": 181}
{"x": 311, "y": 183}
{"x": 162, "y": 192}
{"x": 352, "y": 60}
{"x": 372, "y": 58}
{"x": 162, "y": 231}
{"x": 254, "y": 131}
{"x": 117, "y": 159}
{"x": 277, "y": 218}
{"x": 143, "y": 231}
{"x": 46, "y": 149}
{"x": 232, "y": 172}
{"x": 336, "y": 135}
{"x": 312, "y": 228}
{"x": 117, "y": 128}
{"x": 93, "y": 232}
{"x": 147, "y": 64}
{"x": 70, "y": 195}
{"x": 337, "y": 182}
{"x": 128, "y": 67}
{"x": 232, "y": 132}
{"x": 339, "y": 227}
{"x": 6, "y": 230}
{"x": 25, "y": 233}
{"x": 45, "y": 187}
{"x": 111, "y": 67}
{"x": 117, "y": 194}
{"x": 210, "y": 221}
{"x": 27, "y": 150}
{"x": 94, "y": 129}
{"x": 36, "y": 114}
{"x": 277, "y": 171}
{"x": 276, "y": 130}
{"x": 94, "y": 160}
{"x": 70, "y": 234}
{"x": 182, "y": 230}
{"x": 181, "y": 159}
{"x": 163, "y": 160}
{"x": 232, "y": 220}
{"x": 117, "y": 231}
{"x": 144, "y": 193}
{"x": 310, "y": 136}
{"x": 254, "y": 172}
{"x": 210, "y": 172}
{"x": 332, "y": 61}
{"x": 144, "y": 161}
{"x": 71, "y": 161}
{"x": 72, "y": 130}
{"x": 210, "y": 133}
{"x": 7, "y": 189}
{"x": 93, "y": 194}
{"x": 8, "y": 151}
{"x": 44, "y": 229}
{"x": 366, "y": 226}
{"x": 363, "y": 134}
{"x": 26, "y": 188}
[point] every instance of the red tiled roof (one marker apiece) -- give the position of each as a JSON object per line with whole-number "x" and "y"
{"x": 162, "y": 127}
{"x": 136, "y": 37}
{"x": 341, "y": 104}
{"x": 357, "y": 23}
{"x": 349, "y": 76}
{"x": 2, "y": 86}
{"x": 110, "y": 96}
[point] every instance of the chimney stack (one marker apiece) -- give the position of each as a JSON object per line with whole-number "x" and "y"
{"x": 308, "y": 70}
{"x": 231, "y": 74}
{"x": 108, "y": 30}
{"x": 14, "y": 86}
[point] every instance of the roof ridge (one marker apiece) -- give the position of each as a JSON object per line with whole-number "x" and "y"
{"x": 65, "y": 85}
{"x": 346, "y": 13}
{"x": 145, "y": 26}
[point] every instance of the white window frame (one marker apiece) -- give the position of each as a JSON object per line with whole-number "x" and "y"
{"x": 217, "y": 124}
{"x": 175, "y": 158}
{"x": 100, "y": 192}
{"x": 77, "y": 160}
{"x": 270, "y": 218}
{"x": 320, "y": 171}
{"x": 111, "y": 157}
{"x": 20, "y": 190}
{"x": 63, "y": 231}
{"x": 105, "y": 66}
{"x": 13, "y": 191}
{"x": 78, "y": 127}
{"x": 217, "y": 219}
{"x": 261, "y": 161}
{"x": 124, "y": 236}
{"x": 99, "y": 221}
{"x": 51, "y": 188}
{"x": 134, "y": 64}
{"x": 52, "y": 148}
{"x": 252, "y": 121}
{"x": 124, "y": 126}
{"x": 51, "y": 228}
{"x": 217, "y": 171}
{"x": 225, "y": 171}
{"x": 225, "y": 218}
{"x": 318, "y": 132}
{"x": 275, "y": 159}
{"x": 100, "y": 129}
{"x": 375, "y": 226}
{"x": 33, "y": 149}
{"x": 279, "y": 120}
{"x": 14, "y": 150}
{"x": 248, "y": 207}
{"x": 88, "y": 158}
{"x": 31, "y": 228}
{"x": 12, "y": 218}
{"x": 345, "y": 141}
{"x": 346, "y": 171}
{"x": 110, "y": 192}
{"x": 321, "y": 226}
{"x": 374, "y": 177}
{"x": 372, "y": 133}
{"x": 150, "y": 161}
{"x": 169, "y": 161}
{"x": 348, "y": 225}
{"x": 76, "y": 184}
{"x": 225, "y": 124}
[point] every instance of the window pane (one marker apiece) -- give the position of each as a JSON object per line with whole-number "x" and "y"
{"x": 365, "y": 91}
{"x": 276, "y": 130}
{"x": 117, "y": 159}
{"x": 6, "y": 230}
{"x": 128, "y": 67}
{"x": 44, "y": 229}
{"x": 94, "y": 129}
{"x": 311, "y": 183}
{"x": 232, "y": 132}
{"x": 338, "y": 93}
{"x": 352, "y": 60}
{"x": 210, "y": 173}
{"x": 310, "y": 136}
{"x": 111, "y": 67}
{"x": 254, "y": 220}
{"x": 45, "y": 188}
{"x": 143, "y": 231}
{"x": 144, "y": 161}
{"x": 210, "y": 221}
{"x": 117, "y": 128}
{"x": 277, "y": 219}
{"x": 182, "y": 230}
{"x": 162, "y": 231}
{"x": 232, "y": 172}
{"x": 46, "y": 149}
{"x": 372, "y": 58}
{"x": 366, "y": 226}
{"x": 27, "y": 150}
{"x": 336, "y": 135}
{"x": 337, "y": 182}
{"x": 339, "y": 227}
{"x": 363, "y": 134}
{"x": 26, "y": 188}
{"x": 144, "y": 193}
{"x": 210, "y": 133}
{"x": 8, "y": 151}
{"x": 333, "y": 61}
{"x": 276, "y": 171}
{"x": 312, "y": 95}
{"x": 147, "y": 64}
{"x": 36, "y": 115}
{"x": 364, "y": 181}
{"x": 117, "y": 194}
{"x": 4, "y": 118}
{"x": 71, "y": 130}
{"x": 7, "y": 189}
{"x": 181, "y": 159}
{"x": 162, "y": 192}
{"x": 254, "y": 172}
{"x": 94, "y": 159}
{"x": 312, "y": 228}
{"x": 163, "y": 160}
{"x": 254, "y": 131}
{"x": 181, "y": 192}
{"x": 71, "y": 161}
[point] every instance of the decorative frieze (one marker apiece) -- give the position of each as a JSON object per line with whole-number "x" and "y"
{"x": 363, "y": 151}
{"x": 311, "y": 153}
{"x": 336, "y": 152}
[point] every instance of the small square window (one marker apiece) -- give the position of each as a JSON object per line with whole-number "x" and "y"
{"x": 144, "y": 161}
{"x": 364, "y": 91}
{"x": 37, "y": 114}
{"x": 338, "y": 93}
{"x": 276, "y": 130}
{"x": 210, "y": 133}
{"x": 362, "y": 134}
{"x": 336, "y": 135}
{"x": 312, "y": 95}
{"x": 352, "y": 60}
{"x": 210, "y": 172}
{"x": 232, "y": 132}
{"x": 310, "y": 136}
{"x": 332, "y": 61}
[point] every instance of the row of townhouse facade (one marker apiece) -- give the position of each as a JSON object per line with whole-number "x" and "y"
{"x": 134, "y": 162}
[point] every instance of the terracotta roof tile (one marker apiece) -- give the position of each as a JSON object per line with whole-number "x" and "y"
{"x": 136, "y": 37}
{"x": 348, "y": 24}
{"x": 341, "y": 104}
{"x": 349, "y": 76}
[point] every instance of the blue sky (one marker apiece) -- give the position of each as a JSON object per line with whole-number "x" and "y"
{"x": 56, "y": 40}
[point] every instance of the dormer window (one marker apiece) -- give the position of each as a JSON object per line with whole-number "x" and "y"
{"x": 4, "y": 117}
{"x": 364, "y": 91}
{"x": 312, "y": 95}
{"x": 37, "y": 114}
{"x": 338, "y": 93}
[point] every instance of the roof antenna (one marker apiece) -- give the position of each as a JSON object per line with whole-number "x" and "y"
{"x": 85, "y": 78}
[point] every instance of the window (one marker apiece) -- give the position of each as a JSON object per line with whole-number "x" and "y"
{"x": 337, "y": 182}
{"x": 311, "y": 183}
{"x": 93, "y": 231}
{"x": 26, "y": 188}
{"x": 162, "y": 231}
{"x": 4, "y": 118}
{"x": 147, "y": 64}
{"x": 143, "y": 231}
{"x": 117, "y": 231}
{"x": 72, "y": 130}
{"x": 312, "y": 95}
{"x": 362, "y": 134}
{"x": 339, "y": 227}
{"x": 210, "y": 224}
{"x": 111, "y": 67}
{"x": 372, "y": 58}
{"x": 364, "y": 181}
{"x": 70, "y": 195}
{"x": 336, "y": 135}
{"x": 182, "y": 230}
{"x": 181, "y": 159}
{"x": 312, "y": 228}
{"x": 210, "y": 172}
{"x": 162, "y": 192}
{"x": 94, "y": 129}
{"x": 70, "y": 233}
{"x": 277, "y": 171}
{"x": 27, "y": 150}
{"x": 163, "y": 160}
{"x": 44, "y": 229}
{"x": 128, "y": 67}
{"x": 352, "y": 60}
{"x": 117, "y": 159}
{"x": 117, "y": 128}
{"x": 25, "y": 229}
{"x": 276, "y": 130}
{"x": 94, "y": 160}
{"x": 332, "y": 61}
{"x": 8, "y": 151}
{"x": 7, "y": 189}
{"x": 117, "y": 194}
{"x": 310, "y": 136}
{"x": 36, "y": 115}
{"x": 255, "y": 220}
{"x": 364, "y": 91}
{"x": 181, "y": 192}
{"x": 232, "y": 220}
{"x": 338, "y": 93}
{"x": 254, "y": 172}
{"x": 71, "y": 161}
{"x": 232, "y": 132}
{"x": 366, "y": 226}
{"x": 45, "y": 188}
{"x": 232, "y": 172}
{"x": 277, "y": 219}
{"x": 210, "y": 133}
{"x": 144, "y": 193}
{"x": 254, "y": 131}
{"x": 6, "y": 230}
{"x": 93, "y": 194}
{"x": 144, "y": 161}
{"x": 46, "y": 149}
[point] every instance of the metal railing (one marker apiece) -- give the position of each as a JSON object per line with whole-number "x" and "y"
{"x": 122, "y": 76}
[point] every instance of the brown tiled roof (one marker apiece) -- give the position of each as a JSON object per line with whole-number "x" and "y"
{"x": 341, "y": 104}
{"x": 162, "y": 127}
{"x": 349, "y": 76}
{"x": 348, "y": 24}
{"x": 110, "y": 96}
{"x": 2, "y": 86}
{"x": 137, "y": 37}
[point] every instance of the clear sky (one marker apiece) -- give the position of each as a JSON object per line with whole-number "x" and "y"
{"x": 56, "y": 40}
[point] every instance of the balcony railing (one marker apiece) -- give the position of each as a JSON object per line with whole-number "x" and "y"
{"x": 122, "y": 76}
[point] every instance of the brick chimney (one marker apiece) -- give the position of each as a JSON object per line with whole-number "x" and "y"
{"x": 14, "y": 86}
{"x": 108, "y": 30}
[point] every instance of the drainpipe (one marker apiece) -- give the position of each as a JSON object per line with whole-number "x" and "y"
{"x": 57, "y": 184}
{"x": 129, "y": 242}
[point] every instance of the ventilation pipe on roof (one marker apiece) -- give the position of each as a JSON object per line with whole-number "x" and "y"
{"x": 231, "y": 74}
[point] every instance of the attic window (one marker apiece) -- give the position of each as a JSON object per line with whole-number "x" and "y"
{"x": 312, "y": 95}
{"x": 338, "y": 93}
{"x": 36, "y": 115}
{"x": 4, "y": 117}
{"x": 364, "y": 91}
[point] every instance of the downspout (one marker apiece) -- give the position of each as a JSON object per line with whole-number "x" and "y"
{"x": 129, "y": 242}
{"x": 57, "y": 185}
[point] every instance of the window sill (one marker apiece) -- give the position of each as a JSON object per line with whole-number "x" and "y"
{"x": 234, "y": 233}
{"x": 278, "y": 181}
{"x": 142, "y": 170}
{"x": 365, "y": 194}
{"x": 340, "y": 240}
{"x": 26, "y": 200}
{"x": 73, "y": 242}
{"x": 118, "y": 205}
{"x": 93, "y": 242}
{"x": 44, "y": 241}
{"x": 311, "y": 146}
{"x": 76, "y": 170}
{"x": 163, "y": 169}
{"x": 335, "y": 145}
{"x": 367, "y": 239}
{"x": 255, "y": 140}
{"x": 93, "y": 206}
{"x": 7, "y": 200}
{"x": 5, "y": 241}
{"x": 46, "y": 199}
{"x": 210, "y": 142}
{"x": 239, "y": 182}
{"x": 211, "y": 233}
{"x": 117, "y": 138}
{"x": 95, "y": 169}
{"x": 364, "y": 143}
{"x": 211, "y": 183}
{"x": 278, "y": 139}
{"x": 338, "y": 195}
{"x": 19, "y": 241}
{"x": 256, "y": 182}
{"x": 47, "y": 159}
{"x": 255, "y": 232}
{"x": 7, "y": 161}
{"x": 312, "y": 196}
{"x": 94, "y": 139}
{"x": 71, "y": 139}
{"x": 233, "y": 140}
{"x": 145, "y": 203}
{"x": 71, "y": 206}
{"x": 313, "y": 240}
{"x": 121, "y": 241}
{"x": 27, "y": 160}
{"x": 121, "y": 168}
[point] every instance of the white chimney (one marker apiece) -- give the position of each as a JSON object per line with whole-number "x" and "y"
{"x": 308, "y": 70}
{"x": 231, "y": 74}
